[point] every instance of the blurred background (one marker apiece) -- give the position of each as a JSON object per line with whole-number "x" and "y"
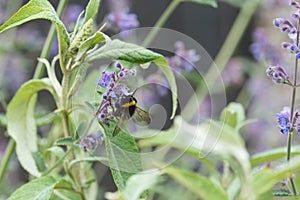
{"x": 244, "y": 75}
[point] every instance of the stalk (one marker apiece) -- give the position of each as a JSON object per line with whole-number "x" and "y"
{"x": 160, "y": 22}
{"x": 290, "y": 134}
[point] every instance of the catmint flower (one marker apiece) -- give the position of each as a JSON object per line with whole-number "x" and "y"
{"x": 283, "y": 120}
{"x": 115, "y": 90}
{"x": 277, "y": 74}
{"x": 295, "y": 4}
{"x": 292, "y": 48}
{"x": 105, "y": 80}
{"x": 263, "y": 49}
{"x": 183, "y": 59}
{"x": 284, "y": 123}
{"x": 287, "y": 26}
{"x": 91, "y": 141}
{"x": 233, "y": 73}
{"x": 121, "y": 20}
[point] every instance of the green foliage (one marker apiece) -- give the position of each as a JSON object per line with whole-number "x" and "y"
{"x": 91, "y": 10}
{"x": 198, "y": 184}
{"x": 139, "y": 183}
{"x": 21, "y": 123}
{"x": 123, "y": 155}
{"x": 263, "y": 180}
{"x": 67, "y": 141}
{"x": 272, "y": 155}
{"x": 40, "y": 9}
{"x": 41, "y": 188}
{"x": 234, "y": 115}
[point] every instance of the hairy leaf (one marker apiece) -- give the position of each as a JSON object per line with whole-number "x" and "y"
{"x": 263, "y": 181}
{"x": 39, "y": 9}
{"x": 198, "y": 184}
{"x": 139, "y": 183}
{"x": 123, "y": 155}
{"x": 234, "y": 115}
{"x": 91, "y": 10}
{"x": 67, "y": 141}
{"x": 21, "y": 123}
{"x": 40, "y": 188}
{"x": 273, "y": 154}
{"x": 208, "y": 138}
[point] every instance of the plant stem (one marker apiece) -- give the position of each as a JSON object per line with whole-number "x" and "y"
{"x": 234, "y": 36}
{"x": 161, "y": 21}
{"x": 290, "y": 134}
{"x": 8, "y": 153}
{"x": 64, "y": 103}
{"x": 39, "y": 71}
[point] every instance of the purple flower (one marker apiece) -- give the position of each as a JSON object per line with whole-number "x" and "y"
{"x": 105, "y": 80}
{"x": 121, "y": 20}
{"x": 295, "y": 4}
{"x": 263, "y": 49}
{"x": 184, "y": 59}
{"x": 233, "y": 73}
{"x": 287, "y": 26}
{"x": 284, "y": 123}
{"x": 283, "y": 120}
{"x": 277, "y": 74}
{"x": 115, "y": 91}
{"x": 71, "y": 13}
{"x": 91, "y": 141}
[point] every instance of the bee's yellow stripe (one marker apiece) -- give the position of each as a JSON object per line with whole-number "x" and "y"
{"x": 131, "y": 103}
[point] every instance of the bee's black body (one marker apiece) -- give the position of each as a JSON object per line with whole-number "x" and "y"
{"x": 126, "y": 109}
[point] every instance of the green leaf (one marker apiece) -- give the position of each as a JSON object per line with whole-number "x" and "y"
{"x": 233, "y": 115}
{"x": 235, "y": 3}
{"x": 37, "y": 156}
{"x": 21, "y": 123}
{"x": 98, "y": 37}
{"x": 40, "y": 188}
{"x": 210, "y": 137}
{"x": 123, "y": 155}
{"x": 273, "y": 154}
{"x": 264, "y": 180}
{"x": 165, "y": 68}
{"x": 86, "y": 159}
{"x": 212, "y": 3}
{"x": 57, "y": 151}
{"x": 119, "y": 50}
{"x": 67, "y": 141}
{"x": 198, "y": 184}
{"x": 91, "y": 10}
{"x": 40, "y": 9}
{"x": 139, "y": 183}
{"x": 63, "y": 190}
{"x": 2, "y": 120}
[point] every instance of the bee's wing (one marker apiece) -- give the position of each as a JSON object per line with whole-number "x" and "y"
{"x": 141, "y": 117}
{"x": 118, "y": 127}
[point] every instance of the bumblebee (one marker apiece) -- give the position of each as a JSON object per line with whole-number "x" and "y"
{"x": 125, "y": 109}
